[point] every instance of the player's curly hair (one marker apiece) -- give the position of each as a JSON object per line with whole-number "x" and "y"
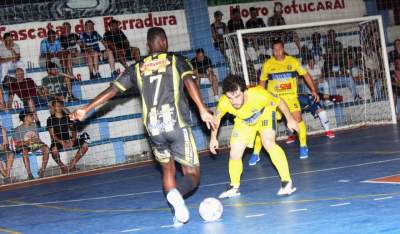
{"x": 232, "y": 83}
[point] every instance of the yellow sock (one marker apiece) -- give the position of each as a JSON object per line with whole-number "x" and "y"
{"x": 302, "y": 134}
{"x": 279, "y": 160}
{"x": 257, "y": 145}
{"x": 235, "y": 171}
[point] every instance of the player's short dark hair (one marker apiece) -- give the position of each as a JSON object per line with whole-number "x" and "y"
{"x": 7, "y": 34}
{"x": 200, "y": 50}
{"x": 155, "y": 32}
{"x": 232, "y": 83}
{"x": 277, "y": 41}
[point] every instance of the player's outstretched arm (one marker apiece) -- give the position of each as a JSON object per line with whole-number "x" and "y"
{"x": 309, "y": 81}
{"x": 194, "y": 93}
{"x": 214, "y": 144}
{"x": 291, "y": 122}
{"x": 107, "y": 94}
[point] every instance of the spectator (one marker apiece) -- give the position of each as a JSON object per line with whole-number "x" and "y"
{"x": 27, "y": 90}
{"x": 315, "y": 71}
{"x": 395, "y": 75}
{"x": 203, "y": 69}
{"x": 396, "y": 52}
{"x": 277, "y": 19}
{"x": 69, "y": 48}
{"x": 56, "y": 86}
{"x": 10, "y": 57}
{"x": 26, "y": 139}
{"x": 333, "y": 48}
{"x": 254, "y": 21}
{"x": 315, "y": 49}
{"x": 50, "y": 50}
{"x": 218, "y": 29}
{"x": 136, "y": 54}
{"x": 5, "y": 154}
{"x": 236, "y": 22}
{"x": 64, "y": 136}
{"x": 90, "y": 47}
{"x": 115, "y": 40}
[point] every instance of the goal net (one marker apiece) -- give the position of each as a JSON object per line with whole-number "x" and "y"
{"x": 344, "y": 57}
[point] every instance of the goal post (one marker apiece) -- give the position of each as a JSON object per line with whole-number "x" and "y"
{"x": 355, "y": 67}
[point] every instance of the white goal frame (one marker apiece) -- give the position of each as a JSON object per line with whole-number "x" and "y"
{"x": 239, "y": 34}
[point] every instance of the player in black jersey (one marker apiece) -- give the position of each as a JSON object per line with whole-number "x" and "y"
{"x": 160, "y": 78}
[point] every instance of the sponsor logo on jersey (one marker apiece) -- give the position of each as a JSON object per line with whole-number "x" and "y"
{"x": 154, "y": 65}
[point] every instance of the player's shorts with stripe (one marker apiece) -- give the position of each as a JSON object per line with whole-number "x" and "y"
{"x": 178, "y": 145}
{"x": 243, "y": 133}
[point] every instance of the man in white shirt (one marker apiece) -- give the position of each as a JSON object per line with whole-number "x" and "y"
{"x": 10, "y": 57}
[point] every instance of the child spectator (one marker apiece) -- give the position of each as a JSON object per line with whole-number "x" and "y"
{"x": 90, "y": 47}
{"x": 64, "y": 136}
{"x": 57, "y": 86}
{"x": 26, "y": 139}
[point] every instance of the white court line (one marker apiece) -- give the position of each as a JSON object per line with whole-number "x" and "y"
{"x": 132, "y": 230}
{"x": 382, "y": 198}
{"x": 343, "y": 181}
{"x": 379, "y": 182}
{"x": 253, "y": 216}
{"x": 340, "y": 204}
{"x": 168, "y": 226}
{"x": 207, "y": 185}
{"x": 298, "y": 210}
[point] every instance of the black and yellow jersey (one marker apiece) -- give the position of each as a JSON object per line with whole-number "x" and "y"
{"x": 282, "y": 75}
{"x": 159, "y": 78}
{"x": 257, "y": 101}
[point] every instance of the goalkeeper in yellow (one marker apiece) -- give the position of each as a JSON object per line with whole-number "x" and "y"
{"x": 254, "y": 110}
{"x": 281, "y": 72}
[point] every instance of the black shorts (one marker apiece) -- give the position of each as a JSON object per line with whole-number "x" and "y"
{"x": 177, "y": 144}
{"x": 30, "y": 148}
{"x": 59, "y": 146}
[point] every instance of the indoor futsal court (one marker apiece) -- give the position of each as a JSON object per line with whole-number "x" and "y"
{"x": 348, "y": 185}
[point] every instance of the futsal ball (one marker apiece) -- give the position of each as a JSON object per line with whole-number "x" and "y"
{"x": 211, "y": 209}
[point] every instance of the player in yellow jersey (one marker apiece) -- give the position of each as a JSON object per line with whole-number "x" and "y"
{"x": 281, "y": 72}
{"x": 254, "y": 110}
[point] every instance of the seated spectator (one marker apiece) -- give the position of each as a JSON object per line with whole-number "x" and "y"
{"x": 396, "y": 52}
{"x": 10, "y": 57}
{"x": 115, "y": 40}
{"x": 203, "y": 69}
{"x": 6, "y": 155}
{"x": 91, "y": 49}
{"x": 64, "y": 136}
{"x": 69, "y": 49}
{"x": 218, "y": 29}
{"x": 50, "y": 50}
{"x": 277, "y": 19}
{"x": 314, "y": 48}
{"x": 333, "y": 48}
{"x": 254, "y": 21}
{"x": 335, "y": 71}
{"x": 27, "y": 90}
{"x": 26, "y": 139}
{"x": 315, "y": 72}
{"x": 57, "y": 86}
{"x": 236, "y": 22}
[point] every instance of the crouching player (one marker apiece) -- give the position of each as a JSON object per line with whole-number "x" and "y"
{"x": 255, "y": 112}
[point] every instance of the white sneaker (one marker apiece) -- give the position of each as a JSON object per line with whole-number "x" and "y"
{"x": 230, "y": 192}
{"x": 286, "y": 189}
{"x": 180, "y": 209}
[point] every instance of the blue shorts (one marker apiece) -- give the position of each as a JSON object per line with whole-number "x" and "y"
{"x": 308, "y": 105}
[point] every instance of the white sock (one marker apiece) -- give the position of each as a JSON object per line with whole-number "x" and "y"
{"x": 323, "y": 117}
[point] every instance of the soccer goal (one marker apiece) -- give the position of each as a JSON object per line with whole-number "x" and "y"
{"x": 346, "y": 57}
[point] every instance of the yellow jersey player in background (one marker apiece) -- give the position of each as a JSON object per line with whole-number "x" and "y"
{"x": 254, "y": 110}
{"x": 281, "y": 72}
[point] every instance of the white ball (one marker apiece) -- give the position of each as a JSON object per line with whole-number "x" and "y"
{"x": 211, "y": 209}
